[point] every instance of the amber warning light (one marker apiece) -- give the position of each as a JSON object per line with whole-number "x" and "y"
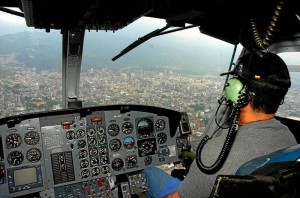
{"x": 96, "y": 119}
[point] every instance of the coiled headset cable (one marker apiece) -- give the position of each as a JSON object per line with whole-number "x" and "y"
{"x": 216, "y": 166}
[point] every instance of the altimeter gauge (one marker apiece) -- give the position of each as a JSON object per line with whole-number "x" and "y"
{"x": 32, "y": 138}
{"x": 113, "y": 129}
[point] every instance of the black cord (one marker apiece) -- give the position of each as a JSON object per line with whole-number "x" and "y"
{"x": 216, "y": 166}
{"x": 229, "y": 118}
{"x": 224, "y": 152}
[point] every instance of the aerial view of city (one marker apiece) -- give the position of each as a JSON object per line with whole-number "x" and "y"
{"x": 26, "y": 90}
{"x": 174, "y": 77}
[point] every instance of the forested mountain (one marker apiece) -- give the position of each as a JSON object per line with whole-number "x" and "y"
{"x": 44, "y": 51}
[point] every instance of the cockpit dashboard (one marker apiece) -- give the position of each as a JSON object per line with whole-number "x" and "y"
{"x": 88, "y": 152}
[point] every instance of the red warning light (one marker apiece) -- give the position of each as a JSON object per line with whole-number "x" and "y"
{"x": 67, "y": 122}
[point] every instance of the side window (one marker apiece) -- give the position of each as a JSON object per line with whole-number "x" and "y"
{"x": 290, "y": 107}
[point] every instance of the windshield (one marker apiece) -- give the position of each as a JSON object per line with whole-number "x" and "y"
{"x": 178, "y": 71}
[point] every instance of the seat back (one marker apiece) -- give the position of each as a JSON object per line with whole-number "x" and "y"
{"x": 285, "y": 155}
{"x": 274, "y": 175}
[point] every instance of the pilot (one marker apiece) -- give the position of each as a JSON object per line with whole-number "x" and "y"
{"x": 266, "y": 80}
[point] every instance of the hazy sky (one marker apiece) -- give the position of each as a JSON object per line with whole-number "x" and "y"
{"x": 10, "y": 24}
{"x": 17, "y": 24}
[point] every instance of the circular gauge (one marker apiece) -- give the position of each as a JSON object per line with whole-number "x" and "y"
{"x": 13, "y": 140}
{"x": 83, "y": 154}
{"x": 32, "y": 138}
{"x": 113, "y": 129}
{"x": 117, "y": 164}
{"x": 102, "y": 140}
{"x": 93, "y": 152}
{"x": 92, "y": 141}
{"x": 148, "y": 160}
{"x": 145, "y": 127}
{"x": 100, "y": 131}
{"x": 127, "y": 127}
{"x": 102, "y": 150}
{"x": 81, "y": 143}
{"x": 147, "y": 148}
{"x": 33, "y": 155}
{"x": 80, "y": 133}
{"x": 128, "y": 142}
{"x": 95, "y": 171}
{"x": 115, "y": 144}
{"x": 15, "y": 158}
{"x": 104, "y": 160}
{"x": 84, "y": 163}
{"x": 85, "y": 173}
{"x": 70, "y": 135}
{"x": 160, "y": 125}
{"x": 91, "y": 132}
{"x": 131, "y": 161}
{"x": 162, "y": 138}
{"x": 94, "y": 161}
{"x": 105, "y": 170}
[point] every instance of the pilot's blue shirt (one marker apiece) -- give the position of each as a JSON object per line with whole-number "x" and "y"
{"x": 252, "y": 140}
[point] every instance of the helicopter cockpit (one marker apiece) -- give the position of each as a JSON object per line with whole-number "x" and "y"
{"x": 101, "y": 151}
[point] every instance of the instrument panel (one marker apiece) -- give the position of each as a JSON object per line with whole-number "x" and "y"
{"x": 86, "y": 152}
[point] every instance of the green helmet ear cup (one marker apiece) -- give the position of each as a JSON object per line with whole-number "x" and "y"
{"x": 233, "y": 90}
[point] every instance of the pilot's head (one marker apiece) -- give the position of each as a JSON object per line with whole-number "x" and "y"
{"x": 267, "y": 80}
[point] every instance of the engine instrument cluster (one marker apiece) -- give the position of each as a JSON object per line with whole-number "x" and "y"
{"x": 86, "y": 152}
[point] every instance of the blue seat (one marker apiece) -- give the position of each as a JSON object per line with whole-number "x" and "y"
{"x": 291, "y": 154}
{"x": 276, "y": 175}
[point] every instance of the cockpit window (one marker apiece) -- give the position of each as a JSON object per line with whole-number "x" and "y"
{"x": 291, "y": 100}
{"x": 178, "y": 71}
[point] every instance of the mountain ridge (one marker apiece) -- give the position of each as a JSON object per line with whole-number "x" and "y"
{"x": 44, "y": 51}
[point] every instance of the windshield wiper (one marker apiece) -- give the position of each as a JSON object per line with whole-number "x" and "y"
{"x": 140, "y": 41}
{"x": 20, "y": 14}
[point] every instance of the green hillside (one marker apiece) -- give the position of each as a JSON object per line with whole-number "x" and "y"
{"x": 44, "y": 51}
